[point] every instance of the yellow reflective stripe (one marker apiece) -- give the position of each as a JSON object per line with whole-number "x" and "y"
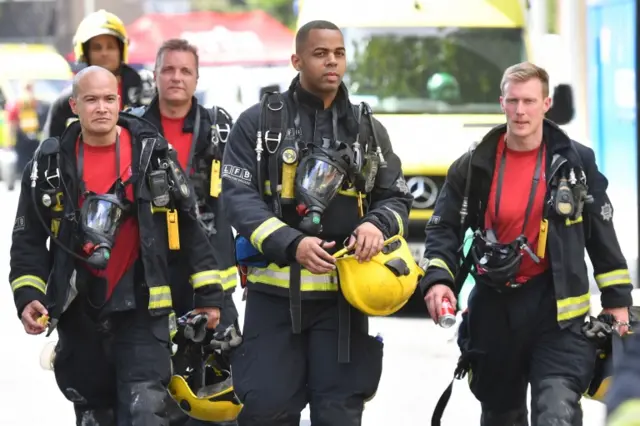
{"x": 569, "y": 222}
{"x": 439, "y": 263}
{"x": 155, "y": 209}
{"x": 173, "y": 325}
{"x": 627, "y": 414}
{"x": 573, "y": 307}
{"x": 28, "y": 281}
{"x": 204, "y": 278}
{"x": 227, "y": 278}
{"x": 263, "y": 231}
{"x": 351, "y": 192}
{"x": 160, "y": 297}
{"x": 399, "y": 220}
{"x": 279, "y": 277}
{"x": 617, "y": 277}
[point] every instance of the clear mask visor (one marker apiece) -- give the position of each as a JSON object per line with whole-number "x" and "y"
{"x": 321, "y": 179}
{"x": 102, "y": 215}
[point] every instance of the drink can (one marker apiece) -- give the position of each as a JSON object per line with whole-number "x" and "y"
{"x": 446, "y": 315}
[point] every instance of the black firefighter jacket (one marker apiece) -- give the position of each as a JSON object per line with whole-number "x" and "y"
{"x": 33, "y": 264}
{"x": 567, "y": 239}
{"x": 277, "y": 236}
{"x": 204, "y": 152}
{"x": 60, "y": 112}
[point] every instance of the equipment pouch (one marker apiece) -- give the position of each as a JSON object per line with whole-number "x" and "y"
{"x": 248, "y": 255}
{"x": 159, "y": 187}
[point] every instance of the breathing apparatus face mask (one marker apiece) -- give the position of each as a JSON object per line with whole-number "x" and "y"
{"x": 319, "y": 177}
{"x": 100, "y": 219}
{"x": 497, "y": 264}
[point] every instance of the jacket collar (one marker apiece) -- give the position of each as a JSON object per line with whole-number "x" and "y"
{"x": 558, "y": 142}
{"x": 153, "y": 115}
{"x": 305, "y": 98}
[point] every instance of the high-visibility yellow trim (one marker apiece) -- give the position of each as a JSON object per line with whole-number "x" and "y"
{"x": 279, "y": 277}
{"x": 263, "y": 231}
{"x": 160, "y": 297}
{"x": 350, "y": 192}
{"x": 627, "y": 414}
{"x": 569, "y": 222}
{"x": 399, "y": 220}
{"x": 28, "y": 281}
{"x": 173, "y": 325}
{"x": 227, "y": 278}
{"x": 439, "y": 263}
{"x": 617, "y": 277}
{"x": 573, "y": 307}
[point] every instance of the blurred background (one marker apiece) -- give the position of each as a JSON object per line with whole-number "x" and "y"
{"x": 430, "y": 69}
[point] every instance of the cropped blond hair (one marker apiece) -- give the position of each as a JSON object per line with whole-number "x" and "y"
{"x": 523, "y": 72}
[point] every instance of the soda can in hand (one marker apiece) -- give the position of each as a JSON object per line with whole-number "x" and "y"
{"x": 447, "y": 315}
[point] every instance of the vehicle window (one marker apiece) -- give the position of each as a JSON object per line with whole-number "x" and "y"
{"x": 430, "y": 70}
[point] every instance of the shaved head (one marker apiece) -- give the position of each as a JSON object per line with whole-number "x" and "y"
{"x": 92, "y": 72}
{"x": 95, "y": 100}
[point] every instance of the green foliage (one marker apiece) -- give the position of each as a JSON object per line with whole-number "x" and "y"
{"x": 282, "y": 10}
{"x": 552, "y": 16}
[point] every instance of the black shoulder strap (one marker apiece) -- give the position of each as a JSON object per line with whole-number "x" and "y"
{"x": 220, "y": 129}
{"x": 366, "y": 128}
{"x": 273, "y": 125}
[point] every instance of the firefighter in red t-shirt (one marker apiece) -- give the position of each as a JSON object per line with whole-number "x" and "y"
{"x": 535, "y": 200}
{"x": 113, "y": 199}
{"x": 199, "y": 136}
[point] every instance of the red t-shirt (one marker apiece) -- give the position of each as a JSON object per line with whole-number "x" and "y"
{"x": 516, "y": 187}
{"x": 172, "y": 128}
{"x": 99, "y": 175}
{"x": 13, "y": 112}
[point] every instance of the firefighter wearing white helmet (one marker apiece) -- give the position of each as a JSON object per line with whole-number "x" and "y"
{"x": 101, "y": 39}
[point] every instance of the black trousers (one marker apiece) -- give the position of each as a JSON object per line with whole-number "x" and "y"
{"x": 114, "y": 372}
{"x": 276, "y": 373}
{"x": 513, "y": 340}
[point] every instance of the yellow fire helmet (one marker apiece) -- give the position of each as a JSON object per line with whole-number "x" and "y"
{"x": 383, "y": 285}
{"x": 215, "y": 402}
{"x": 99, "y": 23}
{"x": 609, "y": 353}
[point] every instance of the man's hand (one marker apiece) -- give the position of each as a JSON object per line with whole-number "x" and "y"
{"x": 368, "y": 241}
{"x": 622, "y": 319}
{"x": 434, "y": 297}
{"x": 213, "y": 315}
{"x": 311, "y": 254}
{"x": 30, "y": 315}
